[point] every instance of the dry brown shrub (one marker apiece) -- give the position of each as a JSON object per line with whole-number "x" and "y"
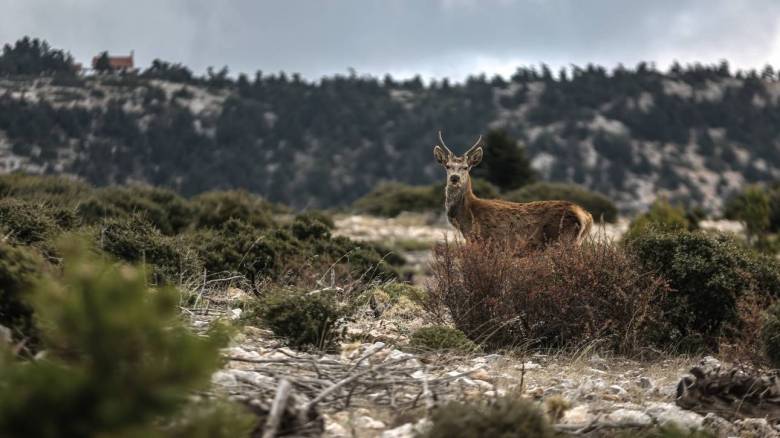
{"x": 561, "y": 296}
{"x": 741, "y": 342}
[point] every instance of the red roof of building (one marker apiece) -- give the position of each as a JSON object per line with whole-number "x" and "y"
{"x": 117, "y": 62}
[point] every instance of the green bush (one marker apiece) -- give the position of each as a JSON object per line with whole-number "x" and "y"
{"x": 240, "y": 248}
{"x": 503, "y": 417}
{"x": 166, "y": 210}
{"x": 120, "y": 360}
{"x": 770, "y": 335}
{"x": 752, "y": 207}
{"x": 305, "y": 321}
{"x": 311, "y": 226}
{"x": 708, "y": 273}
{"x": 437, "y": 338}
{"x": 136, "y": 241}
{"x": 597, "y": 204}
{"x": 26, "y": 222}
{"x": 58, "y": 190}
{"x": 320, "y": 216}
{"x": 19, "y": 267}
{"x": 371, "y": 261}
{"x": 391, "y": 199}
{"x": 662, "y": 217}
{"x": 395, "y": 291}
{"x": 212, "y": 209}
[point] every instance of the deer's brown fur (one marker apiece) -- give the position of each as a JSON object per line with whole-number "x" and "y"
{"x": 530, "y": 224}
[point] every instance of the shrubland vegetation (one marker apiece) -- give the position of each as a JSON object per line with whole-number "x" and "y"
{"x": 91, "y": 283}
{"x": 502, "y": 301}
{"x": 441, "y": 338}
{"x": 176, "y": 240}
{"x": 667, "y": 286}
{"x": 661, "y": 216}
{"x": 506, "y": 416}
{"x": 119, "y": 360}
{"x": 758, "y": 208}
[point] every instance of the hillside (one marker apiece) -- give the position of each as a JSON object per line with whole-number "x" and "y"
{"x": 693, "y": 133}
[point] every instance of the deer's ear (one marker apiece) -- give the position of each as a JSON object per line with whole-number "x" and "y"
{"x": 475, "y": 157}
{"x": 440, "y": 154}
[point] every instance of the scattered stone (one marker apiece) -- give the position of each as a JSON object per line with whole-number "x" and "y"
{"x": 398, "y": 354}
{"x": 408, "y": 430}
{"x": 709, "y": 363}
{"x": 241, "y": 353}
{"x": 199, "y": 323}
{"x": 334, "y": 429}
{"x": 629, "y": 417}
{"x": 224, "y": 378}
{"x": 404, "y": 431}
{"x": 578, "y": 415}
{"x": 366, "y": 422}
{"x": 598, "y": 362}
{"x": 484, "y": 385}
{"x": 617, "y": 390}
{"x": 489, "y": 358}
{"x": 592, "y": 385}
{"x": 755, "y": 427}
{"x": 669, "y": 413}
{"x": 719, "y": 426}
{"x": 253, "y": 332}
{"x": 235, "y": 313}
{"x": 481, "y": 374}
{"x": 645, "y": 383}
{"x": 350, "y": 350}
{"x": 233, "y": 377}
{"x": 236, "y": 294}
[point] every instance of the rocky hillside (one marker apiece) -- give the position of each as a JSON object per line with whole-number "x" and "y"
{"x": 694, "y": 133}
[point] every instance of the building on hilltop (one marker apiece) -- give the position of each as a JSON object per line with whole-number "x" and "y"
{"x": 122, "y": 64}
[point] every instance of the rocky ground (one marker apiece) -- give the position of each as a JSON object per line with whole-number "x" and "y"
{"x": 395, "y": 387}
{"x": 375, "y": 386}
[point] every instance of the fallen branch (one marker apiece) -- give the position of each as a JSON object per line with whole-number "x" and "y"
{"x": 349, "y": 379}
{"x": 277, "y": 409}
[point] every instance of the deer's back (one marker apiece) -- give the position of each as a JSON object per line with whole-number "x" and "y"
{"x": 535, "y": 223}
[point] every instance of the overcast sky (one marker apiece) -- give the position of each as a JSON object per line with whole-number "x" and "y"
{"x": 434, "y": 38}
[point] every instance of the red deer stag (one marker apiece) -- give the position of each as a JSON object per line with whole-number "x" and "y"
{"x": 532, "y": 224}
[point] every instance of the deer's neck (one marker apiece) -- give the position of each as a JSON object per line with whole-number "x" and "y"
{"x": 458, "y": 203}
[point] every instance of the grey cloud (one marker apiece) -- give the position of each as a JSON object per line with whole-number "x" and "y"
{"x": 441, "y": 37}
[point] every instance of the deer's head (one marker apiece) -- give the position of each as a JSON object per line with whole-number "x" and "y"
{"x": 457, "y": 167}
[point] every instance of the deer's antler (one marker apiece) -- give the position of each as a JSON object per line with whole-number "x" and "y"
{"x": 476, "y": 145}
{"x": 444, "y": 145}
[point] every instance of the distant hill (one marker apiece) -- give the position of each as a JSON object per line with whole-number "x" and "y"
{"x": 693, "y": 133}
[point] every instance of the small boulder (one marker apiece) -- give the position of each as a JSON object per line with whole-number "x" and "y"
{"x": 625, "y": 417}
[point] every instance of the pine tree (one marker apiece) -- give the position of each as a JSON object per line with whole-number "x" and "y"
{"x": 103, "y": 64}
{"x": 504, "y": 163}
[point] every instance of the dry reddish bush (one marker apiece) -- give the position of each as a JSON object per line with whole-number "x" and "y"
{"x": 561, "y": 296}
{"x": 740, "y": 343}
